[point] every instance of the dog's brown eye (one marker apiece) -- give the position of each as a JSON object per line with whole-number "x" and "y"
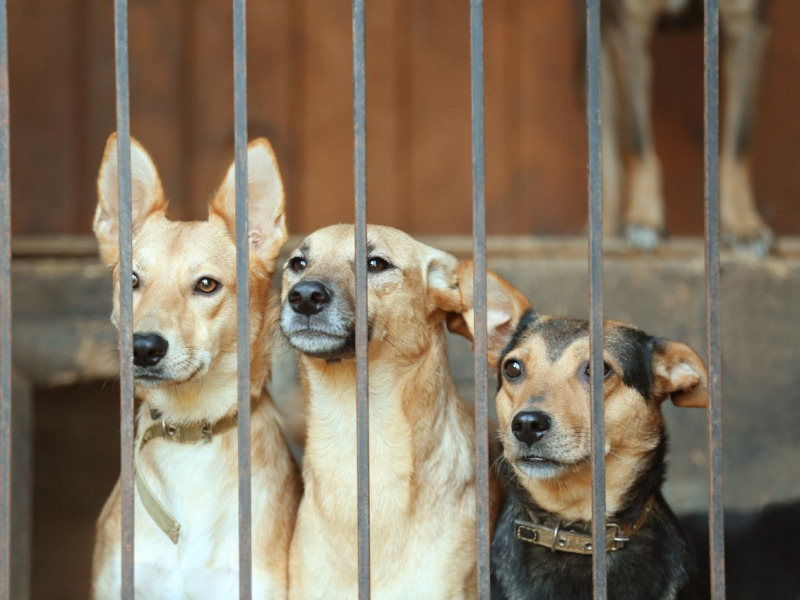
{"x": 297, "y": 264}
{"x": 512, "y": 369}
{"x": 206, "y": 285}
{"x": 134, "y": 280}
{"x": 376, "y": 264}
{"x": 607, "y": 370}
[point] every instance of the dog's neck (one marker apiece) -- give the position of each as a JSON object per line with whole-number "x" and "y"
{"x": 419, "y": 384}
{"x": 631, "y": 478}
{"x": 411, "y": 406}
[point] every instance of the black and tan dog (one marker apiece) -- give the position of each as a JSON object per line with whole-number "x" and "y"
{"x": 542, "y": 543}
{"x": 627, "y": 29}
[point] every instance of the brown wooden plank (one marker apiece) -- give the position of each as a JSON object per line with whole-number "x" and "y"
{"x": 62, "y": 110}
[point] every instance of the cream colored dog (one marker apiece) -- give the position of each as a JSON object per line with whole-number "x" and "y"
{"x": 185, "y": 374}
{"x": 422, "y": 462}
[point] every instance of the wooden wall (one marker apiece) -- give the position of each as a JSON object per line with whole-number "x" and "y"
{"x": 300, "y": 95}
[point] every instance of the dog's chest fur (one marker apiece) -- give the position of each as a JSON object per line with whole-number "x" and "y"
{"x": 656, "y": 564}
{"x": 421, "y": 494}
{"x": 198, "y": 484}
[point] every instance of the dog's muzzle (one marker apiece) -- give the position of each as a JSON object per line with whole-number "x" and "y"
{"x": 317, "y": 321}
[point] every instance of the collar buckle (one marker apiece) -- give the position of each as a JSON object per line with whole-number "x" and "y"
{"x": 172, "y": 433}
{"x": 617, "y": 536}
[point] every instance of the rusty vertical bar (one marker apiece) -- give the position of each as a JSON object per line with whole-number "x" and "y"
{"x": 5, "y": 318}
{"x": 242, "y": 297}
{"x": 599, "y": 564}
{"x": 125, "y": 296}
{"x": 479, "y": 283}
{"x": 712, "y": 266}
{"x": 362, "y": 365}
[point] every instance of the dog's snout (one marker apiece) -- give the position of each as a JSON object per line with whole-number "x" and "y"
{"x": 309, "y": 297}
{"x": 148, "y": 349}
{"x": 529, "y": 427}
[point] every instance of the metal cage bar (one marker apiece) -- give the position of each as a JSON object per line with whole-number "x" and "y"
{"x": 125, "y": 297}
{"x": 599, "y": 564}
{"x": 362, "y": 374}
{"x": 483, "y": 540}
{"x": 242, "y": 297}
{"x": 5, "y": 318}
{"x": 712, "y": 269}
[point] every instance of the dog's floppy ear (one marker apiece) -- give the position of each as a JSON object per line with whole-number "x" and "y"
{"x": 441, "y": 271}
{"x": 505, "y": 306}
{"x": 680, "y": 374}
{"x": 147, "y": 196}
{"x": 266, "y": 223}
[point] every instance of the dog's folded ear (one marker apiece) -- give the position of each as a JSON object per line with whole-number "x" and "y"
{"x": 147, "y": 196}
{"x": 266, "y": 222}
{"x": 679, "y": 373}
{"x": 505, "y": 306}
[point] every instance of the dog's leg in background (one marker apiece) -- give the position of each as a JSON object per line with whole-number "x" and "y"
{"x": 610, "y": 143}
{"x": 612, "y": 164}
{"x": 628, "y": 29}
{"x": 745, "y": 29}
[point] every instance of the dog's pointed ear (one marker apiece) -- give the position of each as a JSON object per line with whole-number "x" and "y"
{"x": 147, "y": 196}
{"x": 679, "y": 374}
{"x": 266, "y": 223}
{"x": 505, "y": 306}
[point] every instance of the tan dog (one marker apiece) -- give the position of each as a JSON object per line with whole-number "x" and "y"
{"x": 542, "y": 546}
{"x": 185, "y": 374}
{"x": 628, "y": 26}
{"x": 422, "y": 464}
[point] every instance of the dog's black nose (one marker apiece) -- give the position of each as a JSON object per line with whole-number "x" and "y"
{"x": 309, "y": 297}
{"x": 529, "y": 427}
{"x": 148, "y": 349}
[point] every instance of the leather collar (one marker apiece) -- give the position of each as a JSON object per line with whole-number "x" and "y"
{"x": 566, "y": 540}
{"x": 182, "y": 434}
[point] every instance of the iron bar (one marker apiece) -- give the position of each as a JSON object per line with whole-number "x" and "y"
{"x": 242, "y": 297}
{"x": 712, "y": 267}
{"x": 483, "y": 539}
{"x": 599, "y": 564}
{"x": 125, "y": 298}
{"x": 5, "y": 318}
{"x": 362, "y": 365}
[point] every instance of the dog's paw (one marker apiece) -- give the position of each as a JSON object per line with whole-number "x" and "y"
{"x": 642, "y": 237}
{"x": 757, "y": 244}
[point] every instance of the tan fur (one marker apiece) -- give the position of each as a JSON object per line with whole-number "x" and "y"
{"x": 628, "y": 27}
{"x": 422, "y": 464}
{"x": 632, "y": 425}
{"x": 198, "y": 482}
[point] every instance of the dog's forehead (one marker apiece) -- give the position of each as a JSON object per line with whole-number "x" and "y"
{"x": 551, "y": 335}
{"x": 560, "y": 333}
{"x": 177, "y": 245}
{"x": 338, "y": 242}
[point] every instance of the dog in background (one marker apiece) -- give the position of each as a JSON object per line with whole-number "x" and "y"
{"x": 185, "y": 375}
{"x": 542, "y": 544}
{"x": 627, "y": 29}
{"x": 421, "y": 434}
